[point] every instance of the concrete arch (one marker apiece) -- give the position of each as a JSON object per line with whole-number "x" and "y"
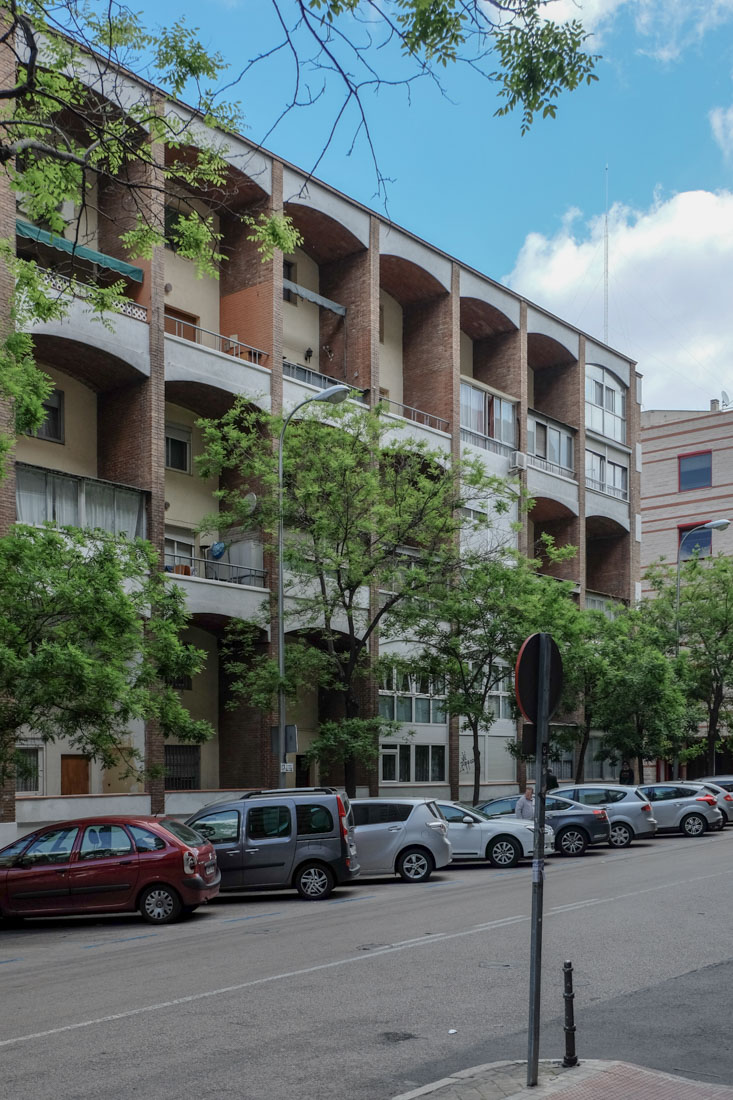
{"x": 549, "y": 510}
{"x": 96, "y": 361}
{"x": 325, "y": 237}
{"x": 481, "y": 320}
{"x": 599, "y": 526}
{"x": 407, "y": 282}
{"x": 545, "y": 351}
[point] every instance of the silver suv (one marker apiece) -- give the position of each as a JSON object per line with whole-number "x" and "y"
{"x": 300, "y": 837}
{"x": 687, "y": 808}
{"x": 403, "y": 836}
{"x": 629, "y": 811}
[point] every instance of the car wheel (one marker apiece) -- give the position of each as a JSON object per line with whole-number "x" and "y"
{"x": 414, "y": 865}
{"x": 160, "y": 904}
{"x": 693, "y": 825}
{"x": 503, "y": 851}
{"x": 571, "y": 842}
{"x": 621, "y": 834}
{"x": 314, "y": 881}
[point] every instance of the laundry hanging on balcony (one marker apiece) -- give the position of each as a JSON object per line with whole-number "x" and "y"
{"x": 33, "y": 233}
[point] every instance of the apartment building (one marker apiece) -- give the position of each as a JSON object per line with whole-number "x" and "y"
{"x": 460, "y": 361}
{"x": 686, "y": 483}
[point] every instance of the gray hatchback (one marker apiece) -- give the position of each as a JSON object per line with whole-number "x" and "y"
{"x": 685, "y": 808}
{"x": 403, "y": 836}
{"x": 629, "y": 811}
{"x": 289, "y": 837}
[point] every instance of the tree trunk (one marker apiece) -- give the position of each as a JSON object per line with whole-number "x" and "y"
{"x": 351, "y": 709}
{"x": 713, "y": 720}
{"x": 476, "y": 767}
{"x": 580, "y": 764}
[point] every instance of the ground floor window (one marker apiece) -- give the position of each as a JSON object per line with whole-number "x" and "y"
{"x": 409, "y": 763}
{"x": 28, "y": 771}
{"x": 182, "y": 767}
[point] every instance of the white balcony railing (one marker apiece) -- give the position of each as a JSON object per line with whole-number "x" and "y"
{"x": 62, "y": 285}
{"x": 417, "y": 416}
{"x": 475, "y": 439}
{"x": 609, "y": 490}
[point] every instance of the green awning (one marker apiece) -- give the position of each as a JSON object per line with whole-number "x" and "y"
{"x": 25, "y": 229}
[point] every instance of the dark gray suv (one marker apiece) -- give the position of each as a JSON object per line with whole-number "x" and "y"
{"x": 300, "y": 837}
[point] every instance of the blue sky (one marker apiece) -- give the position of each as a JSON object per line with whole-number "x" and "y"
{"x": 528, "y": 210}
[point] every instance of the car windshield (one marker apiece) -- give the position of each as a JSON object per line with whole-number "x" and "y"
{"x": 184, "y": 832}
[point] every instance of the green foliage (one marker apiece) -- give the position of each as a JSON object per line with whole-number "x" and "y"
{"x": 349, "y": 738}
{"x": 89, "y": 643}
{"x": 273, "y": 232}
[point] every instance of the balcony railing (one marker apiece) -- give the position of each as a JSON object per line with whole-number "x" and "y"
{"x": 229, "y": 345}
{"x": 486, "y": 442}
{"x": 610, "y": 490}
{"x": 63, "y": 285}
{"x": 208, "y": 570}
{"x": 313, "y": 378}
{"x": 551, "y": 467}
{"x": 417, "y": 416}
{"x": 47, "y": 496}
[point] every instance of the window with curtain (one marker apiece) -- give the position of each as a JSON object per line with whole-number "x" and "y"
{"x": 43, "y": 496}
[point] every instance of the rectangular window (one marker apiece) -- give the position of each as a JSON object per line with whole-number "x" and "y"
{"x": 28, "y": 771}
{"x": 411, "y": 698}
{"x": 412, "y": 763}
{"x": 617, "y": 480}
{"x": 178, "y": 448}
{"x": 182, "y": 767}
{"x": 701, "y": 543}
{"x": 487, "y": 415}
{"x": 695, "y": 471}
{"x": 52, "y": 428}
{"x": 179, "y": 552}
{"x": 290, "y": 272}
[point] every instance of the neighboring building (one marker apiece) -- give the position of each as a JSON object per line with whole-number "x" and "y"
{"x": 687, "y": 481}
{"x": 464, "y": 363}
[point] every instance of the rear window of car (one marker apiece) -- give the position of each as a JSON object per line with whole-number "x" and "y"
{"x": 146, "y": 840}
{"x": 313, "y": 818}
{"x": 380, "y": 813}
{"x": 183, "y": 832}
{"x": 268, "y": 822}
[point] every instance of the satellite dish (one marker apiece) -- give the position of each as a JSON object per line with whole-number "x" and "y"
{"x": 218, "y": 550}
{"x": 249, "y": 502}
{"x": 725, "y": 398}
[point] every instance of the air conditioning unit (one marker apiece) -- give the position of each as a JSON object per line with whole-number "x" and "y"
{"x": 519, "y": 461}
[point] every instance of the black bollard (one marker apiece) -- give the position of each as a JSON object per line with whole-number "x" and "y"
{"x": 571, "y": 1058}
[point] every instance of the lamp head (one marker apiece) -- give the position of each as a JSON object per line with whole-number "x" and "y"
{"x": 717, "y": 525}
{"x": 334, "y": 394}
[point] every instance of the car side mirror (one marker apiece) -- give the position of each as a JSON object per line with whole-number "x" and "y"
{"x": 468, "y": 821}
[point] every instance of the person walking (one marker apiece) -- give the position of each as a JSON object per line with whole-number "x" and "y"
{"x": 525, "y": 805}
{"x": 626, "y": 774}
{"x": 552, "y": 783}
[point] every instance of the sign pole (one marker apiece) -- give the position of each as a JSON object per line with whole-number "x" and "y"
{"x": 538, "y": 861}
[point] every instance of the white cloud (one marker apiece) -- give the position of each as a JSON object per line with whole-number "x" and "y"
{"x": 670, "y": 282}
{"x": 721, "y": 123}
{"x": 665, "y": 27}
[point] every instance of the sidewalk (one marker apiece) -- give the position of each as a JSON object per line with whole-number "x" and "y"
{"x": 590, "y": 1080}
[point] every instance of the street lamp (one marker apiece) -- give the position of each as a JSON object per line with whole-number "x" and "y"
{"x": 711, "y": 525}
{"x": 334, "y": 395}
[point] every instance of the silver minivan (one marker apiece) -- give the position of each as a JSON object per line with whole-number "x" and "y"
{"x": 403, "y": 836}
{"x": 288, "y": 837}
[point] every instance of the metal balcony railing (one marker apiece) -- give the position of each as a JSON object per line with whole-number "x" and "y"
{"x": 609, "y": 490}
{"x": 314, "y": 378}
{"x": 551, "y": 467}
{"x": 209, "y": 570}
{"x": 486, "y": 442}
{"x": 417, "y": 416}
{"x": 174, "y": 326}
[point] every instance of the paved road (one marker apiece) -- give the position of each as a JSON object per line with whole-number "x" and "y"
{"x": 384, "y": 987}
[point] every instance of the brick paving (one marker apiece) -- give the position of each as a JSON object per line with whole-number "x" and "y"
{"x": 590, "y": 1080}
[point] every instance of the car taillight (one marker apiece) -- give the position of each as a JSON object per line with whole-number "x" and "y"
{"x": 706, "y": 798}
{"x": 602, "y": 814}
{"x": 646, "y": 808}
{"x": 342, "y": 817}
{"x": 189, "y": 863}
{"x": 728, "y": 798}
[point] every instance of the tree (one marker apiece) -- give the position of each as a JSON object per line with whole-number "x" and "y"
{"x": 480, "y": 619}
{"x": 89, "y": 643}
{"x": 641, "y": 708}
{"x": 703, "y": 628}
{"x": 373, "y": 523}
{"x": 79, "y": 113}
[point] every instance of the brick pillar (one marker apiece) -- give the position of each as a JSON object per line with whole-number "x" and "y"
{"x": 633, "y": 428}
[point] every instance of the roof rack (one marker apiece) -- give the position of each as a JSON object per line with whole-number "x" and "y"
{"x": 265, "y": 792}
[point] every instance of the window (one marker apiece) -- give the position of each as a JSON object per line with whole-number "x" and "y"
{"x": 178, "y": 448}
{"x": 500, "y": 697}
{"x": 311, "y": 819}
{"x": 53, "y": 846}
{"x": 219, "y": 827}
{"x": 695, "y": 471}
{"x": 27, "y": 771}
{"x": 42, "y": 497}
{"x": 487, "y": 414}
{"x": 617, "y": 480}
{"x": 182, "y": 767}
{"x": 605, "y": 476}
{"x": 179, "y": 551}
{"x": 104, "y": 842}
{"x": 178, "y": 323}
{"x": 605, "y": 403}
{"x": 290, "y": 272}
{"x": 380, "y": 813}
{"x": 11, "y": 853}
{"x": 145, "y": 840}
{"x": 171, "y": 215}
{"x": 550, "y": 446}
{"x": 407, "y": 763}
{"x": 411, "y": 698}
{"x": 52, "y": 428}
{"x": 268, "y": 822}
{"x": 689, "y": 545}
{"x": 381, "y": 330}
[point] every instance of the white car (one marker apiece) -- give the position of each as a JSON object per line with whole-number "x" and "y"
{"x": 502, "y": 842}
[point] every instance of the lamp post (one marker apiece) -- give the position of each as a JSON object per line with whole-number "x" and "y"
{"x": 334, "y": 395}
{"x": 711, "y": 525}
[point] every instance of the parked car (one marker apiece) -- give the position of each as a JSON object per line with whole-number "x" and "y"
{"x": 575, "y": 826}
{"x": 629, "y": 811}
{"x": 683, "y": 807}
{"x": 723, "y": 798}
{"x": 503, "y": 843}
{"x": 108, "y": 864}
{"x": 723, "y": 783}
{"x": 402, "y": 836}
{"x": 300, "y": 837}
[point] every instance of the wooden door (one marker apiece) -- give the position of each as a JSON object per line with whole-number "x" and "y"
{"x": 74, "y": 774}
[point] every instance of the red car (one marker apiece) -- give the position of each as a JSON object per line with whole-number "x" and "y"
{"x": 108, "y": 864}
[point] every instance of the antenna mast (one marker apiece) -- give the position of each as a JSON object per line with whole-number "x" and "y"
{"x": 605, "y": 268}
